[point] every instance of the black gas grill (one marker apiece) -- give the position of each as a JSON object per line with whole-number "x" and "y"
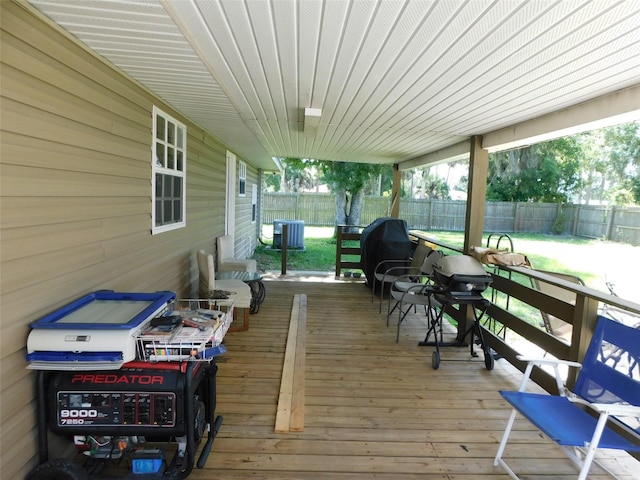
{"x": 461, "y": 277}
{"x": 459, "y": 280}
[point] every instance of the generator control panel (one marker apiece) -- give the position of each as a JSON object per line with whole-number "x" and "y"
{"x": 147, "y": 401}
{"x": 115, "y": 408}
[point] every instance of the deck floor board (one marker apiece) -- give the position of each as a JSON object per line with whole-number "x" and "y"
{"x": 374, "y": 408}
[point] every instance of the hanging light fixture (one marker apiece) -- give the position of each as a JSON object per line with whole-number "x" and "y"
{"x": 311, "y": 120}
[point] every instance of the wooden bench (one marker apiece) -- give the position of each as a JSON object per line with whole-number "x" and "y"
{"x": 601, "y": 411}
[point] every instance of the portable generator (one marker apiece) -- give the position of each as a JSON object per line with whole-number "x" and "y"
{"x": 145, "y": 417}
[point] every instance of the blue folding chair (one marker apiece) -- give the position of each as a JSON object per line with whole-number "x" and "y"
{"x": 607, "y": 392}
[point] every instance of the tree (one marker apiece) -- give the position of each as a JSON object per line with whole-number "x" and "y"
{"x": 623, "y": 154}
{"x": 545, "y": 172}
{"x": 422, "y": 184}
{"x": 601, "y": 165}
{"x": 296, "y": 176}
{"x": 348, "y": 182}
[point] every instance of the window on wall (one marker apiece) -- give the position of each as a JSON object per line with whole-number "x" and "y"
{"x": 169, "y": 173}
{"x": 242, "y": 177}
{"x": 254, "y": 203}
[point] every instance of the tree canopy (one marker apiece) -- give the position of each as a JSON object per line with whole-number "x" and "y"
{"x": 601, "y": 165}
{"x": 348, "y": 181}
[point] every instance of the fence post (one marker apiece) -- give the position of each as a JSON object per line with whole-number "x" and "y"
{"x": 576, "y": 219}
{"x": 612, "y": 214}
{"x": 284, "y": 245}
{"x": 430, "y": 219}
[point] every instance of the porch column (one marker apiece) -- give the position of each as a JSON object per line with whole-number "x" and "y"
{"x": 476, "y": 193}
{"x": 474, "y": 218}
{"x": 395, "y": 192}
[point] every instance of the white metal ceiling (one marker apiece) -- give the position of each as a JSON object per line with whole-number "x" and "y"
{"x": 394, "y": 79}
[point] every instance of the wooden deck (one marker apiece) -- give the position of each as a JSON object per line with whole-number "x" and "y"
{"x": 373, "y": 409}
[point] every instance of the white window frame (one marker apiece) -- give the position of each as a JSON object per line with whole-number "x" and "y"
{"x": 242, "y": 179}
{"x": 168, "y": 162}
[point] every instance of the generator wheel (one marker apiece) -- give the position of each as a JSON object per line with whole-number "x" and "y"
{"x": 200, "y": 419}
{"x": 58, "y": 469}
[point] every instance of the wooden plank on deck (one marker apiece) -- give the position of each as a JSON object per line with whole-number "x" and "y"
{"x": 290, "y": 412}
{"x": 297, "y": 401}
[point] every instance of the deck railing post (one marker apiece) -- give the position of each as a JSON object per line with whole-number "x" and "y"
{"x": 339, "y": 250}
{"x": 585, "y": 317}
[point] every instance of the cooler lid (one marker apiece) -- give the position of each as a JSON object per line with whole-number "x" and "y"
{"x": 107, "y": 310}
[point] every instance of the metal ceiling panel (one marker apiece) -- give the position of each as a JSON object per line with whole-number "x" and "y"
{"x": 395, "y": 80}
{"x": 140, "y": 38}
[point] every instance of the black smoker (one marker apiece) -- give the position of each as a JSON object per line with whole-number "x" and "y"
{"x": 384, "y": 239}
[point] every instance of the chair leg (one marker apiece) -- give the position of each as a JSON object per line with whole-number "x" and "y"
{"x": 389, "y": 309}
{"x": 503, "y": 443}
{"x": 401, "y": 316}
{"x": 593, "y": 446}
{"x": 245, "y": 324}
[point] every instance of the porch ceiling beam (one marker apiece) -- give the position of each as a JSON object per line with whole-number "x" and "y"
{"x": 459, "y": 151}
{"x": 612, "y": 109}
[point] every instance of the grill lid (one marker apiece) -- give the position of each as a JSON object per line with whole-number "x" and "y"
{"x": 459, "y": 265}
{"x": 461, "y": 274}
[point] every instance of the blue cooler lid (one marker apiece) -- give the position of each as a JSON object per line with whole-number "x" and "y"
{"x": 106, "y": 310}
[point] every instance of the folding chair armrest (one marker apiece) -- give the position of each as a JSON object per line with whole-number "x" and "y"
{"x": 548, "y": 361}
{"x": 384, "y": 262}
{"x": 554, "y": 362}
{"x": 423, "y": 289}
{"x": 391, "y": 271}
{"x": 618, "y": 409}
{"x": 408, "y": 276}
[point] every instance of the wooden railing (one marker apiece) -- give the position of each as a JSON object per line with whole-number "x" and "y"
{"x": 518, "y": 283}
{"x": 342, "y": 249}
{"x": 515, "y": 282}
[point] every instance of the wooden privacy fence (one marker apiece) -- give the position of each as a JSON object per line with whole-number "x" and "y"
{"x": 619, "y": 224}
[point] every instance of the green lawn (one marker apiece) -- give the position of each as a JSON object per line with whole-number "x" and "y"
{"x": 595, "y": 261}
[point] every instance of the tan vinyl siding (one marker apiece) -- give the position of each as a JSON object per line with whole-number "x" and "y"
{"x": 245, "y": 234}
{"x": 75, "y": 211}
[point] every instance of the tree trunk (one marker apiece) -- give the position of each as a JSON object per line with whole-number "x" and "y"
{"x": 341, "y": 208}
{"x": 357, "y": 203}
{"x": 348, "y": 210}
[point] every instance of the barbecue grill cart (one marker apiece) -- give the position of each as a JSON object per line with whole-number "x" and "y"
{"x": 459, "y": 280}
{"x": 131, "y": 379}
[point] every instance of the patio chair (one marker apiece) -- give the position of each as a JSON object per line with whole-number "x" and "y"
{"x": 226, "y": 257}
{"x": 388, "y": 271}
{"x": 235, "y": 290}
{"x": 603, "y": 408}
{"x": 404, "y": 283}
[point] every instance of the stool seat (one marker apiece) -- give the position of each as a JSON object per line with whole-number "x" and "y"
{"x": 226, "y": 257}
{"x": 239, "y": 291}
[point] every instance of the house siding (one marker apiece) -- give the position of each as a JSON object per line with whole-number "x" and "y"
{"x": 75, "y": 200}
{"x": 245, "y": 231}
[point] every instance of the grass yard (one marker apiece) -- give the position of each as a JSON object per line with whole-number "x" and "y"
{"x": 595, "y": 261}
